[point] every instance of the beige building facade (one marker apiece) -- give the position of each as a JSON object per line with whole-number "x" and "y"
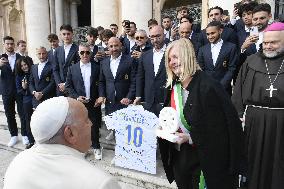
{"x": 33, "y": 20}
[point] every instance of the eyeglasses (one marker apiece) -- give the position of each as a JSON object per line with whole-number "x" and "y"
{"x": 139, "y": 37}
{"x": 85, "y": 52}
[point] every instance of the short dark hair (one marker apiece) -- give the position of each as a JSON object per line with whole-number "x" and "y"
{"x": 125, "y": 21}
{"x": 189, "y": 18}
{"x": 217, "y": 24}
{"x": 52, "y": 37}
{"x": 93, "y": 32}
{"x": 247, "y": 8}
{"x": 107, "y": 33}
{"x": 115, "y": 25}
{"x": 8, "y": 38}
{"x": 18, "y": 69}
{"x": 183, "y": 8}
{"x": 167, "y": 16}
{"x": 217, "y": 7}
{"x": 100, "y": 28}
{"x": 152, "y": 21}
{"x": 67, "y": 27}
{"x": 133, "y": 24}
{"x": 21, "y": 41}
{"x": 262, "y": 7}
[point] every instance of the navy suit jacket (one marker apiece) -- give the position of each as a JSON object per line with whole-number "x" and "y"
{"x": 126, "y": 44}
{"x": 149, "y": 87}
{"x": 61, "y": 66}
{"x": 242, "y": 35}
{"x": 123, "y": 85}
{"x": 228, "y": 35}
{"x": 44, "y": 84}
{"x": 225, "y": 65}
{"x": 75, "y": 83}
{"x": 8, "y": 78}
{"x": 195, "y": 41}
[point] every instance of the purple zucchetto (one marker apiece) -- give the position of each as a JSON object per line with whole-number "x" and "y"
{"x": 276, "y": 26}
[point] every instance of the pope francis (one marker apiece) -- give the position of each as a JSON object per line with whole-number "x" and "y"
{"x": 62, "y": 131}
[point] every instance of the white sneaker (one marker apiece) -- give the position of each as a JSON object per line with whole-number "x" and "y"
{"x": 110, "y": 136}
{"x": 13, "y": 141}
{"x": 25, "y": 140}
{"x": 98, "y": 153}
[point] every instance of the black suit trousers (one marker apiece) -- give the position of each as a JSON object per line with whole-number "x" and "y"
{"x": 28, "y": 111}
{"x": 9, "y": 107}
{"x": 95, "y": 116}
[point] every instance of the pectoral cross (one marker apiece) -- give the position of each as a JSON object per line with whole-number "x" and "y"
{"x": 271, "y": 89}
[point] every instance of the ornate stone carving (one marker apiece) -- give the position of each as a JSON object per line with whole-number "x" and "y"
{"x": 194, "y": 11}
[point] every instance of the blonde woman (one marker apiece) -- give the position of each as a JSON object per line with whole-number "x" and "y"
{"x": 210, "y": 138}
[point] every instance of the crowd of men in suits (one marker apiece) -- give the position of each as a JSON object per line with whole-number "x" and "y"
{"x": 125, "y": 69}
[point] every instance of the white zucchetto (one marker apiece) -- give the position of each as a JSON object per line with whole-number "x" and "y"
{"x": 48, "y": 118}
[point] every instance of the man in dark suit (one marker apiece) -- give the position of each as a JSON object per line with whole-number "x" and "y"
{"x": 129, "y": 40}
{"x": 142, "y": 44}
{"x": 228, "y": 34}
{"x": 185, "y": 31}
{"x": 9, "y": 93}
{"x": 64, "y": 57}
{"x": 151, "y": 74}
{"x": 42, "y": 84}
{"x": 92, "y": 35}
{"x": 82, "y": 84}
{"x": 22, "y": 50}
{"x": 117, "y": 78}
{"x": 218, "y": 58}
{"x": 54, "y": 43}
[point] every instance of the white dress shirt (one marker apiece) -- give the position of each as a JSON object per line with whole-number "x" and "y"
{"x": 157, "y": 57}
{"x": 215, "y": 50}
{"x": 132, "y": 42}
{"x": 114, "y": 63}
{"x": 86, "y": 74}
{"x": 67, "y": 49}
{"x": 260, "y": 39}
{"x": 40, "y": 68}
{"x": 12, "y": 60}
{"x": 167, "y": 33}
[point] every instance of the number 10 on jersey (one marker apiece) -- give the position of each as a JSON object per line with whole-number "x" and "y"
{"x": 134, "y": 136}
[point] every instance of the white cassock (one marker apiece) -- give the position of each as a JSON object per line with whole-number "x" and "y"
{"x": 55, "y": 166}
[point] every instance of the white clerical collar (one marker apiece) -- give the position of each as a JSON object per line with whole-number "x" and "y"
{"x": 84, "y": 64}
{"x": 163, "y": 49}
{"x": 118, "y": 58}
{"x": 219, "y": 43}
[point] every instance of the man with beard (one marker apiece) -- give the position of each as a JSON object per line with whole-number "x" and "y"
{"x": 151, "y": 74}
{"x": 261, "y": 15}
{"x": 259, "y": 99}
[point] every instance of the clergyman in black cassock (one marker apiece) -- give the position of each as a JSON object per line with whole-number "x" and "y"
{"x": 263, "y": 106}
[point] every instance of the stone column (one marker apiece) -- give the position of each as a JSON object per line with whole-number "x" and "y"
{"x": 104, "y": 13}
{"x": 131, "y": 9}
{"x": 52, "y": 16}
{"x": 58, "y": 14}
{"x": 74, "y": 14}
{"x": 204, "y": 15}
{"x": 37, "y": 25}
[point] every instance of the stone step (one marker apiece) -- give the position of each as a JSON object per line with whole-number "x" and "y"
{"x": 129, "y": 177}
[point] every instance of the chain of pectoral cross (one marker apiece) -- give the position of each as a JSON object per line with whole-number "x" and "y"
{"x": 271, "y": 88}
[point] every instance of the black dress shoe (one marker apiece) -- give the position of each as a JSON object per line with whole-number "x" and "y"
{"x": 29, "y": 145}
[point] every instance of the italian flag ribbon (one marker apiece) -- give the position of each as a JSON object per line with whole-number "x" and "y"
{"x": 176, "y": 103}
